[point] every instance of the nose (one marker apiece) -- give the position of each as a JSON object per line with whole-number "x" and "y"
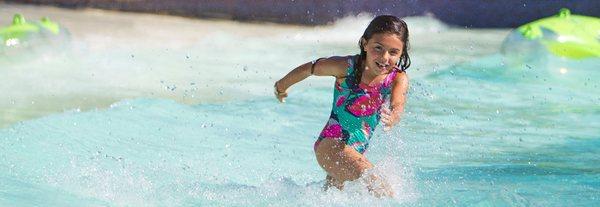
{"x": 386, "y": 56}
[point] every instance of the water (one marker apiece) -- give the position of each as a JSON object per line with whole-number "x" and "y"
{"x": 128, "y": 113}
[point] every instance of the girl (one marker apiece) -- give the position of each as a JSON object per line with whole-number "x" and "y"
{"x": 363, "y": 83}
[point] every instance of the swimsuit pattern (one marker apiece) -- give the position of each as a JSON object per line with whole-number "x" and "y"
{"x": 355, "y": 110}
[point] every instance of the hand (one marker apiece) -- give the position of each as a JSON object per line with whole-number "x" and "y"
{"x": 389, "y": 119}
{"x": 280, "y": 95}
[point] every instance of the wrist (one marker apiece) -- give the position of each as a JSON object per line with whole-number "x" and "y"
{"x": 277, "y": 91}
{"x": 397, "y": 109}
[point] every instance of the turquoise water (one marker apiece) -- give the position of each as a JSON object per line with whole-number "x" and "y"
{"x": 123, "y": 119}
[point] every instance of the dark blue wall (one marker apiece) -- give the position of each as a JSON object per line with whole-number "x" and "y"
{"x": 470, "y": 13}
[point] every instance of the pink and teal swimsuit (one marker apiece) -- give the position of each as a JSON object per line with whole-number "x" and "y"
{"x": 356, "y": 110}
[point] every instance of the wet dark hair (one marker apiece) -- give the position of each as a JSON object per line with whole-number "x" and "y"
{"x": 384, "y": 24}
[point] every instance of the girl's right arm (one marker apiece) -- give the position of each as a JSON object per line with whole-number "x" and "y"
{"x": 332, "y": 66}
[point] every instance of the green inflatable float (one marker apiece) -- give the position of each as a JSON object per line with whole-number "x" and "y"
{"x": 21, "y": 30}
{"x": 564, "y": 35}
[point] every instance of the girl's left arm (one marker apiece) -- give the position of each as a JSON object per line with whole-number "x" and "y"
{"x": 391, "y": 117}
{"x": 399, "y": 92}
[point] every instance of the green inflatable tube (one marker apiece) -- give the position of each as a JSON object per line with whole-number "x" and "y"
{"x": 566, "y": 35}
{"x": 21, "y": 29}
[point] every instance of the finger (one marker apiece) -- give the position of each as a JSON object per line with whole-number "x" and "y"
{"x": 386, "y": 110}
{"x": 389, "y": 122}
{"x": 385, "y": 122}
{"x": 386, "y": 116}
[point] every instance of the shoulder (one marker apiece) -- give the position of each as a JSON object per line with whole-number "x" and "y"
{"x": 340, "y": 62}
{"x": 401, "y": 80}
{"x": 334, "y": 65}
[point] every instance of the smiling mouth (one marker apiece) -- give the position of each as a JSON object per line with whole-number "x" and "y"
{"x": 382, "y": 66}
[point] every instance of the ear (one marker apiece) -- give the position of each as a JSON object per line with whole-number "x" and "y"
{"x": 363, "y": 42}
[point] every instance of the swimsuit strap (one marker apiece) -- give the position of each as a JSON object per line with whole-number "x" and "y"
{"x": 351, "y": 63}
{"x": 389, "y": 79}
{"x": 350, "y": 79}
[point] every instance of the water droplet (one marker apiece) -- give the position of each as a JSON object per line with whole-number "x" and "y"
{"x": 171, "y": 88}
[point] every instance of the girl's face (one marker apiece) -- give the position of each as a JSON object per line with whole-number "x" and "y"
{"x": 383, "y": 52}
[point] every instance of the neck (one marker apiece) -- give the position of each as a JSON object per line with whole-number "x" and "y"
{"x": 367, "y": 75}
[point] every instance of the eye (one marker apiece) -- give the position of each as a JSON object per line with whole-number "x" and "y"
{"x": 378, "y": 48}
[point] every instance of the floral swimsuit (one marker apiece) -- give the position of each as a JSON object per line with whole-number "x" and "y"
{"x": 356, "y": 110}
